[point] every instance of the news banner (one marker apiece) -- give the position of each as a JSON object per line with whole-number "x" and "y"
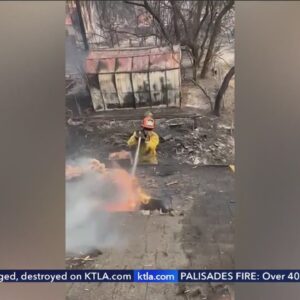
{"x": 149, "y": 276}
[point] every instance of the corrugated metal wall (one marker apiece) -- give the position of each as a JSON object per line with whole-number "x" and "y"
{"x": 135, "y": 77}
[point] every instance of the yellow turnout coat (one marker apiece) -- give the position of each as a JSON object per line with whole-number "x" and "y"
{"x": 147, "y": 153}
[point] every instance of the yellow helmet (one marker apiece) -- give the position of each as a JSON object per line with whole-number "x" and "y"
{"x": 148, "y": 113}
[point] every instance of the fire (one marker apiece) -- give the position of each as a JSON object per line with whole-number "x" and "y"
{"x": 73, "y": 172}
{"x": 132, "y": 194}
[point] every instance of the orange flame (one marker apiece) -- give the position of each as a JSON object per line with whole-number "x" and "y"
{"x": 132, "y": 193}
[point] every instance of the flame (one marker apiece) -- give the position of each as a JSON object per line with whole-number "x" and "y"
{"x": 132, "y": 194}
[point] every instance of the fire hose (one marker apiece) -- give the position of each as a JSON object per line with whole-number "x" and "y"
{"x": 136, "y": 157}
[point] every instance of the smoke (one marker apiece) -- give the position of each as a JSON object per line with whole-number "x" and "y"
{"x": 88, "y": 225}
{"x": 75, "y": 57}
{"x": 74, "y": 65}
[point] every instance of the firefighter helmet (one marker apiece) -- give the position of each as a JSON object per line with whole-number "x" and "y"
{"x": 148, "y": 123}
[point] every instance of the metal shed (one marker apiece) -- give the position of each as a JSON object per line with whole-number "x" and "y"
{"x": 134, "y": 77}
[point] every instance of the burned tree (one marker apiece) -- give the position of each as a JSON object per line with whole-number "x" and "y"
{"x": 214, "y": 35}
{"x": 198, "y": 26}
{"x": 222, "y": 91}
{"x": 195, "y": 25}
{"x": 102, "y": 20}
{"x": 113, "y": 16}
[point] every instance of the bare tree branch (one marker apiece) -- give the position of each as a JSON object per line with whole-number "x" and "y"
{"x": 199, "y": 12}
{"x": 146, "y": 5}
{"x": 134, "y": 3}
{"x": 193, "y": 24}
{"x": 158, "y": 20}
{"x": 212, "y": 11}
{"x": 176, "y": 29}
{"x": 178, "y": 13}
{"x": 205, "y": 93}
{"x": 215, "y": 32}
{"x": 203, "y": 20}
{"x": 222, "y": 91}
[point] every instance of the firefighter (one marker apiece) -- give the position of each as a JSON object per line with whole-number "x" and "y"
{"x": 149, "y": 141}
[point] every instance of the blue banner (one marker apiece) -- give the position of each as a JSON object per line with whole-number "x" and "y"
{"x": 166, "y": 276}
{"x": 149, "y": 276}
{"x": 238, "y": 275}
{"x": 66, "y": 276}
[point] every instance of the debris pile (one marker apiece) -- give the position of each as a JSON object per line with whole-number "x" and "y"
{"x": 206, "y": 140}
{"x": 80, "y": 261}
{"x": 117, "y": 139}
{"x": 205, "y": 148}
{"x": 210, "y": 143}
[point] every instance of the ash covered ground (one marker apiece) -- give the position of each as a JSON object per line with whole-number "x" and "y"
{"x": 207, "y": 140}
{"x": 193, "y": 177}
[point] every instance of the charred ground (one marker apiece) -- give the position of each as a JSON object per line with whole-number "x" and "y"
{"x": 198, "y": 186}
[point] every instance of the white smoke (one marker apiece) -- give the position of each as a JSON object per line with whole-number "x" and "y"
{"x": 88, "y": 227}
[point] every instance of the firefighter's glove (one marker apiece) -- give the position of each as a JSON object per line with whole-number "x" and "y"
{"x": 140, "y": 134}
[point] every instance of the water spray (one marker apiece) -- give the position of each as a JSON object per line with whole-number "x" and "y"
{"x": 136, "y": 157}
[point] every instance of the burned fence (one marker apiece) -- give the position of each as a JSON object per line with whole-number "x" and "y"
{"x": 134, "y": 77}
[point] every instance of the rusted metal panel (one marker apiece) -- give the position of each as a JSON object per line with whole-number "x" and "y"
{"x": 140, "y": 83}
{"x": 158, "y": 88}
{"x": 106, "y": 69}
{"x": 172, "y": 60}
{"x": 94, "y": 87}
{"x": 91, "y": 66}
{"x": 124, "y": 89}
{"x": 106, "y": 65}
{"x": 140, "y": 63}
{"x": 158, "y": 62}
{"x": 123, "y": 64}
{"x": 123, "y": 81}
{"x": 173, "y": 87}
{"x": 157, "y": 75}
{"x": 136, "y": 77}
{"x": 131, "y": 52}
{"x": 108, "y": 91}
